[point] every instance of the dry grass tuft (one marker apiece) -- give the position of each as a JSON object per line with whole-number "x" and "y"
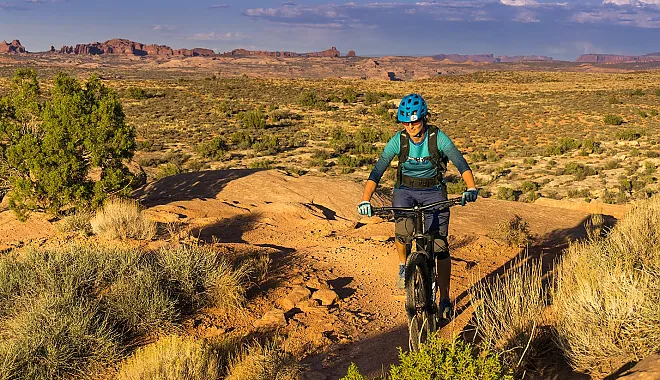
{"x": 263, "y": 362}
{"x": 78, "y": 222}
{"x": 509, "y": 310}
{"x": 607, "y": 294}
{"x": 514, "y": 232}
{"x": 122, "y": 219}
{"x": 175, "y": 357}
{"x": 594, "y": 226}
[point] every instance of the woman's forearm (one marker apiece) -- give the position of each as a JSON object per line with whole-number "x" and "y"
{"x": 469, "y": 179}
{"x": 369, "y": 189}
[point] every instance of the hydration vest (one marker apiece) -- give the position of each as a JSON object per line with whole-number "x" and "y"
{"x": 437, "y": 158}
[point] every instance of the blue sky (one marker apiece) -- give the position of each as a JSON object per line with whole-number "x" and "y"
{"x": 561, "y": 29}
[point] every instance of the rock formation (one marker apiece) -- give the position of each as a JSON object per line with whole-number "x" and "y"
{"x": 351, "y": 53}
{"x": 332, "y": 52}
{"x": 14, "y": 47}
{"x": 613, "y": 58}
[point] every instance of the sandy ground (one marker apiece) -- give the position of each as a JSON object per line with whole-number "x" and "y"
{"x": 317, "y": 241}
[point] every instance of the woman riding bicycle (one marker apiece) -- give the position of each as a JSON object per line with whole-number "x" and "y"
{"x": 423, "y": 152}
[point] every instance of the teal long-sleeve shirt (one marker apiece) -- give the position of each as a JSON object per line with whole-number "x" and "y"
{"x": 418, "y": 164}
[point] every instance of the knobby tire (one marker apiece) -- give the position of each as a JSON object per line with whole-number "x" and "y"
{"x": 421, "y": 322}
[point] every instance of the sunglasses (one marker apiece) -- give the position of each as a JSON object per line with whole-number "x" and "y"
{"x": 413, "y": 123}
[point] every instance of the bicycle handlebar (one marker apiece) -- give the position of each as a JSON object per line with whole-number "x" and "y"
{"x": 440, "y": 204}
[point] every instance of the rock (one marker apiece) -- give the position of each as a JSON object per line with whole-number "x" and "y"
{"x": 647, "y": 369}
{"x": 351, "y": 53}
{"x": 14, "y": 47}
{"x": 326, "y": 296}
{"x": 316, "y": 284}
{"x": 273, "y": 318}
{"x": 296, "y": 296}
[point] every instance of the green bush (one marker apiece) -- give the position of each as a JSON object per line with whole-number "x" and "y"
{"x": 254, "y": 119}
{"x": 216, "y": 149}
{"x": 443, "y": 359}
{"x": 137, "y": 93}
{"x": 312, "y": 99}
{"x": 242, "y": 139}
{"x": 49, "y": 147}
{"x": 629, "y": 134}
{"x": 611, "y": 119}
{"x": 349, "y": 96}
{"x": 637, "y": 92}
{"x": 505, "y": 193}
{"x": 528, "y": 186}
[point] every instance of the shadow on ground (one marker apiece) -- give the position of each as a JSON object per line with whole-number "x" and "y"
{"x": 188, "y": 186}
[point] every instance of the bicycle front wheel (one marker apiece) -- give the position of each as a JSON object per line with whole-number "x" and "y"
{"x": 418, "y": 300}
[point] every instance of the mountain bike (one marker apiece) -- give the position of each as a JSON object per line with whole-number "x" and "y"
{"x": 420, "y": 285}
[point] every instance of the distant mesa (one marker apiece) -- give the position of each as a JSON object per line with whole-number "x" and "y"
{"x": 124, "y": 47}
{"x": 614, "y": 58}
{"x": 332, "y": 52}
{"x": 351, "y": 53}
{"x": 14, "y": 47}
{"x": 489, "y": 58}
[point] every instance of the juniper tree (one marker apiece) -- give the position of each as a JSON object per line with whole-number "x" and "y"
{"x": 66, "y": 152}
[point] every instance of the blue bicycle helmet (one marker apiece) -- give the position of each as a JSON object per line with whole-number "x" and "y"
{"x": 412, "y": 108}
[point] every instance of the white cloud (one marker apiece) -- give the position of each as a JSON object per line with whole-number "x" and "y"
{"x": 526, "y": 16}
{"x": 164, "y": 28}
{"x": 213, "y": 36}
{"x": 520, "y": 3}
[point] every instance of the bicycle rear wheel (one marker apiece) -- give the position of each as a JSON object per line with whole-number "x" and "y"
{"x": 418, "y": 300}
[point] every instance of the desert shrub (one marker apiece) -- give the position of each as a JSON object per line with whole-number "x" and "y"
{"x": 514, "y": 232}
{"x": 477, "y": 157}
{"x": 254, "y": 119}
{"x": 266, "y": 361}
{"x": 637, "y": 92}
{"x": 49, "y": 147}
{"x": 455, "y": 184}
{"x": 54, "y": 336}
{"x": 594, "y": 226}
{"x": 642, "y": 113}
{"x": 350, "y": 161}
{"x": 528, "y": 186}
{"x": 611, "y": 119}
{"x": 580, "y": 171}
{"x": 216, "y": 149}
{"x": 75, "y": 309}
{"x": 614, "y": 100}
{"x": 629, "y": 134}
{"x": 78, "y": 222}
{"x": 137, "y": 93}
{"x": 310, "y": 98}
{"x": 167, "y": 170}
{"x": 564, "y": 145}
{"x": 242, "y": 139}
{"x": 591, "y": 146}
{"x": 443, "y": 359}
{"x": 226, "y": 108}
{"x": 201, "y": 277}
{"x": 657, "y": 92}
{"x": 176, "y": 357}
{"x": 606, "y": 297}
{"x": 260, "y": 164}
{"x": 505, "y": 193}
{"x": 611, "y": 164}
{"x": 509, "y": 309}
{"x": 267, "y": 145}
{"x": 383, "y": 111}
{"x": 349, "y": 95}
{"x": 653, "y": 112}
{"x": 122, "y": 219}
